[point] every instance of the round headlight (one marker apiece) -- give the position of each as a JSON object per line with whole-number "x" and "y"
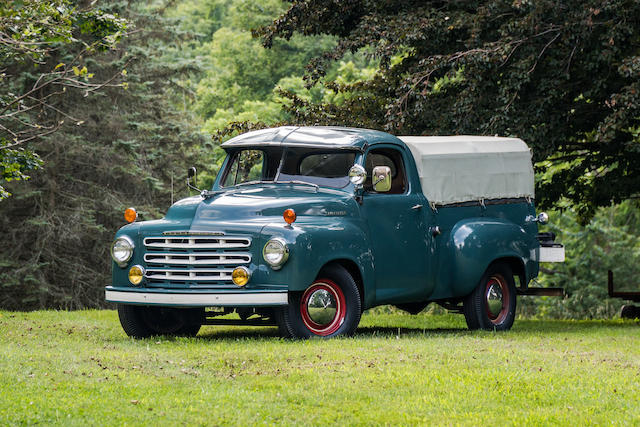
{"x": 275, "y": 253}
{"x": 122, "y": 250}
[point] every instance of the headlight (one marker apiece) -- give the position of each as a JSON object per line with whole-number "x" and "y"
{"x": 122, "y": 250}
{"x": 275, "y": 253}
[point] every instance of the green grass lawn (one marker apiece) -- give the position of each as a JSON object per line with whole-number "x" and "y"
{"x": 79, "y": 368}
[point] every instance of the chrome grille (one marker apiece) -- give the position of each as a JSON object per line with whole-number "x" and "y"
{"x": 194, "y": 260}
{"x": 192, "y": 242}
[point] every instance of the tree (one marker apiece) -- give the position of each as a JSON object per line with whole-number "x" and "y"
{"x": 132, "y": 149}
{"x": 564, "y": 76}
{"x": 34, "y": 35}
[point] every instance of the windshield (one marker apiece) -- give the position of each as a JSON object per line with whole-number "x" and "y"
{"x": 314, "y": 166}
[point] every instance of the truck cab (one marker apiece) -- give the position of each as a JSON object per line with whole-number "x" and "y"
{"x": 306, "y": 227}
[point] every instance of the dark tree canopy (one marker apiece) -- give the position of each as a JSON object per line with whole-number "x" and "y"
{"x": 562, "y": 75}
{"x": 46, "y": 49}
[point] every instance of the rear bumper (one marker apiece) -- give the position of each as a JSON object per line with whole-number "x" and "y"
{"x": 195, "y": 299}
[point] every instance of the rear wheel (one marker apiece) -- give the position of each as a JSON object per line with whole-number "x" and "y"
{"x": 492, "y": 305}
{"x": 145, "y": 321}
{"x": 329, "y": 307}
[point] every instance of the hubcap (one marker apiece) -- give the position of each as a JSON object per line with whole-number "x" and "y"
{"x": 497, "y": 299}
{"x": 494, "y": 299}
{"x": 322, "y": 307}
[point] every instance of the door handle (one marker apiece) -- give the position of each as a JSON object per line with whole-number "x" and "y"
{"x": 416, "y": 207}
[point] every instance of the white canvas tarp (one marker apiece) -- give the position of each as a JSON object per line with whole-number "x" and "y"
{"x": 462, "y": 168}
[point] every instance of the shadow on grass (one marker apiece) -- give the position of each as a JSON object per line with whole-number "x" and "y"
{"x": 524, "y": 326}
{"x": 386, "y": 331}
{"x": 366, "y": 331}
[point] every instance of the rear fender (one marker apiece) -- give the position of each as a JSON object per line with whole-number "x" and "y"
{"x": 477, "y": 242}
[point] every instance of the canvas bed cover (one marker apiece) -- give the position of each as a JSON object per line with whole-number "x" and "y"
{"x": 456, "y": 169}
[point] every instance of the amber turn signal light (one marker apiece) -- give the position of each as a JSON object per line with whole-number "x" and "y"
{"x": 289, "y": 216}
{"x": 130, "y": 214}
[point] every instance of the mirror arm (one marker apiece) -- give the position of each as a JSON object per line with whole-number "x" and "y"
{"x": 192, "y": 172}
{"x": 359, "y": 190}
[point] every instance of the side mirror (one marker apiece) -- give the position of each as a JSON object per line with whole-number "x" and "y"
{"x": 191, "y": 173}
{"x": 382, "y": 179}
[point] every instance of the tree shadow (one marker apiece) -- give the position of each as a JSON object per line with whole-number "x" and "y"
{"x": 525, "y": 326}
{"x": 387, "y": 331}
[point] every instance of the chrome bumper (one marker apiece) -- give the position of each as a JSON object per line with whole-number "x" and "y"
{"x": 253, "y": 299}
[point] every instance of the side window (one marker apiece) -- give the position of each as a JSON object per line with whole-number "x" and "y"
{"x": 386, "y": 157}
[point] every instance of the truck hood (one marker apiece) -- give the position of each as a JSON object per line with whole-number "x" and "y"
{"x": 260, "y": 203}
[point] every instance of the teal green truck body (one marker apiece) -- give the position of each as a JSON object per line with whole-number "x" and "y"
{"x": 398, "y": 246}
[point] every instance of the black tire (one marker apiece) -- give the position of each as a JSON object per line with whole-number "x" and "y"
{"x": 145, "y": 321}
{"x": 278, "y": 317}
{"x": 492, "y": 304}
{"x": 334, "y": 287}
{"x": 629, "y": 311}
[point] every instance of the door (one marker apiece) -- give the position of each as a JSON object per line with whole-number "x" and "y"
{"x": 398, "y": 222}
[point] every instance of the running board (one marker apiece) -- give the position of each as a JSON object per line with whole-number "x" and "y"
{"x": 539, "y": 292}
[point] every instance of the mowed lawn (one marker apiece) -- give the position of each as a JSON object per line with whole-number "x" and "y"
{"x": 77, "y": 368}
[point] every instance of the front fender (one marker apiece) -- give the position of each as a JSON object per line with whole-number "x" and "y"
{"x": 315, "y": 242}
{"x": 476, "y": 242}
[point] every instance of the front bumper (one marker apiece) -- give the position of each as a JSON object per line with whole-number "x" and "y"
{"x": 176, "y": 298}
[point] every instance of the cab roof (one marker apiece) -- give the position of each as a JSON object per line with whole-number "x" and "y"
{"x": 312, "y": 136}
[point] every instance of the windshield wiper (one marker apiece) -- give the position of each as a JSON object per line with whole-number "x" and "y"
{"x": 253, "y": 183}
{"x": 300, "y": 183}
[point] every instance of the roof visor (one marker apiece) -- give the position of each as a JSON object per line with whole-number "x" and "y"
{"x": 291, "y": 136}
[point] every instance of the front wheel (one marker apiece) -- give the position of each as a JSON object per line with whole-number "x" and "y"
{"x": 145, "y": 321}
{"x": 329, "y": 307}
{"x": 492, "y": 304}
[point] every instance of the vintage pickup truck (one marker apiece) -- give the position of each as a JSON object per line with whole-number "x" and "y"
{"x": 306, "y": 227}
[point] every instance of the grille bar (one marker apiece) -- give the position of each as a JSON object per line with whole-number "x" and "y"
{"x": 199, "y": 242}
{"x": 199, "y": 275}
{"x": 197, "y": 258}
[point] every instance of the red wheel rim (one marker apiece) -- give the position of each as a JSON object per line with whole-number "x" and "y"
{"x": 324, "y": 288}
{"x": 497, "y": 299}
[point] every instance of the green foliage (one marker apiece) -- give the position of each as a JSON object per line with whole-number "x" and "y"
{"x": 14, "y": 163}
{"x": 564, "y": 76}
{"x": 127, "y": 150}
{"x": 34, "y": 35}
{"x": 242, "y": 70}
{"x": 80, "y": 369}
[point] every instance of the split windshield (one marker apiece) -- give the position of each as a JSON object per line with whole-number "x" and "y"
{"x": 321, "y": 167}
